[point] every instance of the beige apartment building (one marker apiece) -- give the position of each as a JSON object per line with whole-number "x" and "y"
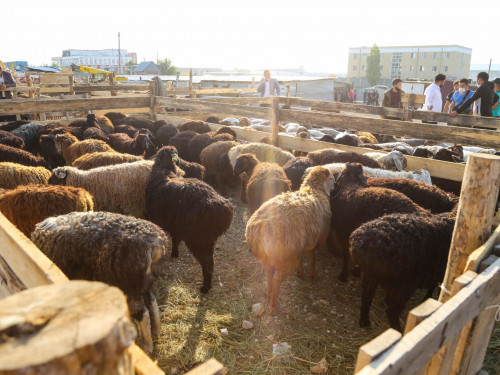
{"x": 410, "y": 62}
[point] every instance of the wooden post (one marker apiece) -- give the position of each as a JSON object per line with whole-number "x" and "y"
{"x": 112, "y": 82}
{"x": 375, "y": 348}
{"x": 30, "y": 83}
{"x": 287, "y": 103}
{"x": 191, "y": 94}
{"x": 409, "y": 109}
{"x": 79, "y": 327}
{"x": 275, "y": 120}
{"x": 152, "y": 100}
{"x": 71, "y": 78}
{"x": 475, "y": 214}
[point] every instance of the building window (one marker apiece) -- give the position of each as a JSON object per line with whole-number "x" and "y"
{"x": 413, "y": 55}
{"x": 412, "y": 68}
{"x": 382, "y": 56}
{"x": 362, "y": 67}
{"x": 354, "y": 67}
{"x": 381, "y": 68}
{"x": 446, "y": 55}
{"x": 423, "y": 55}
{"x": 364, "y": 55}
{"x": 434, "y": 68}
{"x": 355, "y": 56}
{"x": 422, "y": 68}
{"x": 463, "y": 58}
{"x": 445, "y": 68}
{"x": 435, "y": 55}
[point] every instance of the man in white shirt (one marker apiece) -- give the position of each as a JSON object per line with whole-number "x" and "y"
{"x": 433, "y": 97}
{"x": 268, "y": 86}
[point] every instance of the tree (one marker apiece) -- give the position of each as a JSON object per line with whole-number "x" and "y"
{"x": 166, "y": 67}
{"x": 373, "y": 66}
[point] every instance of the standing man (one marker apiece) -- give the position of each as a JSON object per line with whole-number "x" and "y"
{"x": 484, "y": 92}
{"x": 6, "y": 81}
{"x": 268, "y": 86}
{"x": 433, "y": 97}
{"x": 496, "y": 106}
{"x": 393, "y": 97}
{"x": 462, "y": 95}
{"x": 456, "y": 88}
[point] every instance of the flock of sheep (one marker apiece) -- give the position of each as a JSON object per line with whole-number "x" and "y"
{"x": 98, "y": 197}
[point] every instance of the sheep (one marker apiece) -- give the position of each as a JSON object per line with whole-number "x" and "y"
{"x": 8, "y": 127}
{"x": 445, "y": 154}
{"x": 71, "y": 149}
{"x": 367, "y": 137}
{"x": 394, "y": 160}
{"x": 266, "y": 180}
{"x": 143, "y": 124}
{"x": 196, "y": 126}
{"x": 48, "y": 147}
{"x": 427, "y": 196}
{"x": 105, "y": 124}
{"x": 262, "y": 151}
{"x": 9, "y": 139}
{"x": 330, "y": 155}
{"x": 191, "y": 169}
{"x": 217, "y": 166}
{"x": 28, "y": 205}
{"x": 164, "y": 134}
{"x": 348, "y": 139}
{"x": 29, "y": 134}
{"x": 116, "y": 188}
{"x": 16, "y": 155}
{"x": 141, "y": 144}
{"x": 226, "y": 130}
{"x": 95, "y": 133}
{"x": 419, "y": 175}
{"x": 422, "y": 152}
{"x": 119, "y": 250}
{"x": 181, "y": 141}
{"x": 230, "y": 121}
{"x": 213, "y": 119}
{"x": 102, "y": 159}
{"x": 188, "y": 209}
{"x": 295, "y": 168}
{"x": 116, "y": 118}
{"x": 200, "y": 141}
{"x": 13, "y": 175}
{"x": 400, "y": 252}
{"x": 126, "y": 129}
{"x": 327, "y": 138}
{"x": 289, "y": 226}
{"x": 467, "y": 150}
{"x": 355, "y": 203}
{"x": 243, "y": 121}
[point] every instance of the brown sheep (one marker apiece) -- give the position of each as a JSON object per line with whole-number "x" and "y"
{"x": 266, "y": 180}
{"x": 209, "y": 158}
{"x": 71, "y": 149}
{"x": 28, "y": 205}
{"x": 289, "y": 226}
{"x": 13, "y": 175}
{"x": 103, "y": 159}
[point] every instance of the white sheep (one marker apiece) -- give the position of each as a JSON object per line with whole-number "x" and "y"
{"x": 262, "y": 151}
{"x": 394, "y": 160}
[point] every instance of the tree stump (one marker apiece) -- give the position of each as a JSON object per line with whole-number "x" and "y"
{"x": 78, "y": 327}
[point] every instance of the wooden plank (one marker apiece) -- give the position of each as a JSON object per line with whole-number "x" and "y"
{"x": 30, "y": 265}
{"x": 241, "y": 101}
{"x": 476, "y": 208}
{"x": 142, "y": 363}
{"x": 275, "y": 121}
{"x": 214, "y": 91}
{"x": 462, "y": 120}
{"x": 114, "y": 87}
{"x": 9, "y": 282}
{"x": 476, "y": 257}
{"x": 376, "y": 347}
{"x": 420, "y": 313}
{"x": 416, "y": 348}
{"x": 455, "y": 134}
{"x": 442, "y": 361}
{"x": 210, "y": 367}
{"x": 57, "y": 105}
{"x": 202, "y": 106}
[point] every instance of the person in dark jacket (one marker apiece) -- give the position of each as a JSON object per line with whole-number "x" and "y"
{"x": 268, "y": 86}
{"x": 393, "y": 97}
{"x": 6, "y": 81}
{"x": 484, "y": 92}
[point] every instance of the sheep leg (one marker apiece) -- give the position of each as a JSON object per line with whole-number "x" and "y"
{"x": 312, "y": 270}
{"x": 270, "y": 275}
{"x": 154, "y": 312}
{"x": 274, "y": 304}
{"x": 345, "y": 263}
{"x": 368, "y": 288}
{"x": 206, "y": 259}
{"x": 396, "y": 302}
{"x": 145, "y": 328}
{"x": 175, "y": 247}
{"x": 243, "y": 194}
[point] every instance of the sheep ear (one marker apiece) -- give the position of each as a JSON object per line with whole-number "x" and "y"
{"x": 60, "y": 173}
{"x": 326, "y": 186}
{"x": 397, "y": 162}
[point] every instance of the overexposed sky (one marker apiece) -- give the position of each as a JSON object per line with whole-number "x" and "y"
{"x": 256, "y": 34}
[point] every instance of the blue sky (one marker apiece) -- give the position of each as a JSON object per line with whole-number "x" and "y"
{"x": 248, "y": 34}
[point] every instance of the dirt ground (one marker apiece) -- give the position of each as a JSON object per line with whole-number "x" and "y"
{"x": 319, "y": 319}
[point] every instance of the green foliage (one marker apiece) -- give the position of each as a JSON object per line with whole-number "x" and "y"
{"x": 373, "y": 66}
{"x": 166, "y": 67}
{"x": 130, "y": 63}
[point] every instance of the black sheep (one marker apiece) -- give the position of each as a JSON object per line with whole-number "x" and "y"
{"x": 295, "y": 168}
{"x": 12, "y": 125}
{"x": 139, "y": 145}
{"x": 445, "y": 154}
{"x": 181, "y": 141}
{"x": 200, "y": 141}
{"x": 329, "y": 155}
{"x": 188, "y": 209}
{"x": 429, "y": 197}
{"x": 15, "y": 155}
{"x": 196, "y": 126}
{"x": 29, "y": 134}
{"x": 213, "y": 119}
{"x": 400, "y": 252}
{"x": 142, "y": 124}
{"x": 327, "y": 138}
{"x": 126, "y": 129}
{"x": 191, "y": 169}
{"x": 353, "y": 203}
{"x": 226, "y": 130}
{"x": 95, "y": 133}
{"x": 9, "y": 139}
{"x": 164, "y": 134}
{"x": 423, "y": 152}
{"x": 116, "y": 118}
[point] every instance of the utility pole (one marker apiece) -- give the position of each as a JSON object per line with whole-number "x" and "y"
{"x": 489, "y": 67}
{"x": 119, "y": 55}
{"x": 156, "y": 57}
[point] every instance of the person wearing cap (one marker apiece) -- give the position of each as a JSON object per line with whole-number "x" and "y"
{"x": 461, "y": 95}
{"x": 496, "y": 106}
{"x": 456, "y": 88}
{"x": 5, "y": 82}
{"x": 484, "y": 92}
{"x": 433, "y": 97}
{"x": 268, "y": 86}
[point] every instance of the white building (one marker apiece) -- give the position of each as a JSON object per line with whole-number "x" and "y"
{"x": 106, "y": 59}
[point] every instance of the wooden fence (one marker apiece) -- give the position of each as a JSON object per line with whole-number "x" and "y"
{"x": 450, "y": 336}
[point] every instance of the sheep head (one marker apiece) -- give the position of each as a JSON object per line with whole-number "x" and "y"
{"x": 245, "y": 163}
{"x": 167, "y": 158}
{"x": 394, "y": 160}
{"x": 63, "y": 141}
{"x": 320, "y": 178}
{"x": 59, "y": 176}
{"x": 352, "y": 173}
